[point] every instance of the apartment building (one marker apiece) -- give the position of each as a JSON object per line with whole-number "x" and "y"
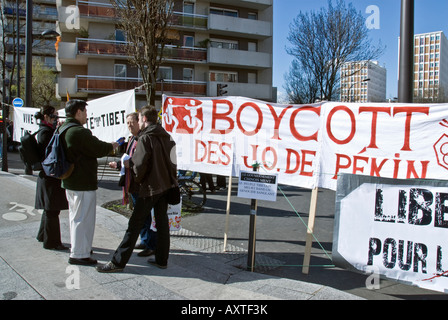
{"x": 213, "y": 43}
{"x": 431, "y": 67}
{"x": 45, "y": 16}
{"x": 363, "y": 81}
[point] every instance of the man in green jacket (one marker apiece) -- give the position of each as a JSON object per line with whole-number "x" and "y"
{"x": 82, "y": 149}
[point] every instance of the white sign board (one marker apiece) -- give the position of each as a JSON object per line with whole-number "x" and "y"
{"x": 254, "y": 185}
{"x": 398, "y": 228}
{"x": 106, "y": 117}
{"x": 309, "y": 145}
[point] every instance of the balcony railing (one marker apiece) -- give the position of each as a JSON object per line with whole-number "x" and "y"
{"x": 181, "y": 19}
{"x": 106, "y": 10}
{"x": 185, "y": 53}
{"x": 96, "y": 9}
{"x": 96, "y": 46}
{"x": 99, "y": 84}
{"x": 118, "y": 48}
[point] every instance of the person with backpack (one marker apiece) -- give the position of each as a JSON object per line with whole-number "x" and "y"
{"x": 82, "y": 149}
{"x": 49, "y": 194}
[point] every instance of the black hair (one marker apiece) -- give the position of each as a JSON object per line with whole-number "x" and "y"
{"x": 46, "y": 110}
{"x": 73, "y": 105}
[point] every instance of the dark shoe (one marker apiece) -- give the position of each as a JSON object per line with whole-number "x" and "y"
{"x": 140, "y": 246}
{"x": 146, "y": 253}
{"x": 109, "y": 267}
{"x": 83, "y": 261}
{"x": 155, "y": 264}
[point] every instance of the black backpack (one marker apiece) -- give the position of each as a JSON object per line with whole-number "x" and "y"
{"x": 29, "y": 150}
{"x": 56, "y": 164}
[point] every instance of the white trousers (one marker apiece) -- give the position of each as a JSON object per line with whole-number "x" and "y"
{"x": 82, "y": 216}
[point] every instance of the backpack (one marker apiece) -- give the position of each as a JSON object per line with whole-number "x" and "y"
{"x": 29, "y": 150}
{"x": 56, "y": 164}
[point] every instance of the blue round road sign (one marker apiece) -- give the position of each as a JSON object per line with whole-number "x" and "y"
{"x": 17, "y": 102}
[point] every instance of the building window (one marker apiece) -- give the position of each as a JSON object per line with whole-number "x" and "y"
{"x": 189, "y": 41}
{"x": 223, "y": 76}
{"x": 120, "y": 71}
{"x": 224, "y": 12}
{"x": 251, "y": 77}
{"x": 165, "y": 73}
{"x": 252, "y": 16}
{"x": 188, "y": 74}
{"x": 189, "y": 7}
{"x": 224, "y": 44}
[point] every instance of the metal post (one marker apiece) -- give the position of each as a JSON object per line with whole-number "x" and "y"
{"x": 406, "y": 67}
{"x": 29, "y": 53}
{"x": 252, "y": 231}
{"x": 18, "y": 47}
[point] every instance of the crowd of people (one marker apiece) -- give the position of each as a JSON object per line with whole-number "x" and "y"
{"x": 148, "y": 176}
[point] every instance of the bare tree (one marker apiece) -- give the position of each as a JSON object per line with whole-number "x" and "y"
{"x": 323, "y": 41}
{"x": 145, "y": 23}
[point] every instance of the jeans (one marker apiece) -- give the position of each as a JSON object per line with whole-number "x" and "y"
{"x": 147, "y": 236}
{"x": 140, "y": 214}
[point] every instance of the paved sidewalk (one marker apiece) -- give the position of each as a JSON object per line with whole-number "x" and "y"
{"x": 197, "y": 267}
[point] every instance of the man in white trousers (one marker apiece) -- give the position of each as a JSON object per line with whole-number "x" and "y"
{"x": 82, "y": 149}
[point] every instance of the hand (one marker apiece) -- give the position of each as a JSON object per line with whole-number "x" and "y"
{"x": 115, "y": 145}
{"x": 113, "y": 165}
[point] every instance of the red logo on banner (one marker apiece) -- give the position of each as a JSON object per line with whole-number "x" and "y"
{"x": 441, "y": 149}
{"x": 183, "y": 115}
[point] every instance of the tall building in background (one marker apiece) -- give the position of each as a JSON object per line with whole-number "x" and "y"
{"x": 431, "y": 67}
{"x": 363, "y": 81}
{"x": 45, "y": 16}
{"x": 213, "y": 43}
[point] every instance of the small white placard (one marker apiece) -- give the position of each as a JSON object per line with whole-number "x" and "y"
{"x": 254, "y": 185}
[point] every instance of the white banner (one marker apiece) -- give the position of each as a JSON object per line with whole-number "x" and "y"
{"x": 24, "y": 121}
{"x": 309, "y": 145}
{"x": 394, "y": 228}
{"x": 106, "y": 117}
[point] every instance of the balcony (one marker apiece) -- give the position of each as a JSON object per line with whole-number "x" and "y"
{"x": 189, "y": 21}
{"x": 245, "y": 28}
{"x": 101, "y": 47}
{"x": 96, "y": 10}
{"x": 97, "y": 84}
{"x": 77, "y": 53}
{"x": 190, "y": 54}
{"x": 253, "y": 90}
{"x": 253, "y": 4}
{"x": 247, "y": 59}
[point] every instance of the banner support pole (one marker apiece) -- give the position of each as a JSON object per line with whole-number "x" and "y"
{"x": 252, "y": 230}
{"x": 226, "y": 230}
{"x": 310, "y": 230}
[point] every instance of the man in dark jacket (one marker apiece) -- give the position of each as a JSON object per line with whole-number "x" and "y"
{"x": 155, "y": 170}
{"x": 83, "y": 149}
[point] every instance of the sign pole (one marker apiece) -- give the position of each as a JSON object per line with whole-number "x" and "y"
{"x": 310, "y": 230}
{"x": 226, "y": 230}
{"x": 252, "y": 230}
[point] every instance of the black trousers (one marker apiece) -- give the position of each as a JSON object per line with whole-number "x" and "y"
{"x": 50, "y": 231}
{"x": 137, "y": 220}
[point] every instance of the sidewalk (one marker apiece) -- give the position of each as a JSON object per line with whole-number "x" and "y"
{"x": 197, "y": 267}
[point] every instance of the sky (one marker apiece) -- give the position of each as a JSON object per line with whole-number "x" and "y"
{"x": 430, "y": 16}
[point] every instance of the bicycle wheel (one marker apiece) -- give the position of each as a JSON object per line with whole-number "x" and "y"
{"x": 193, "y": 196}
